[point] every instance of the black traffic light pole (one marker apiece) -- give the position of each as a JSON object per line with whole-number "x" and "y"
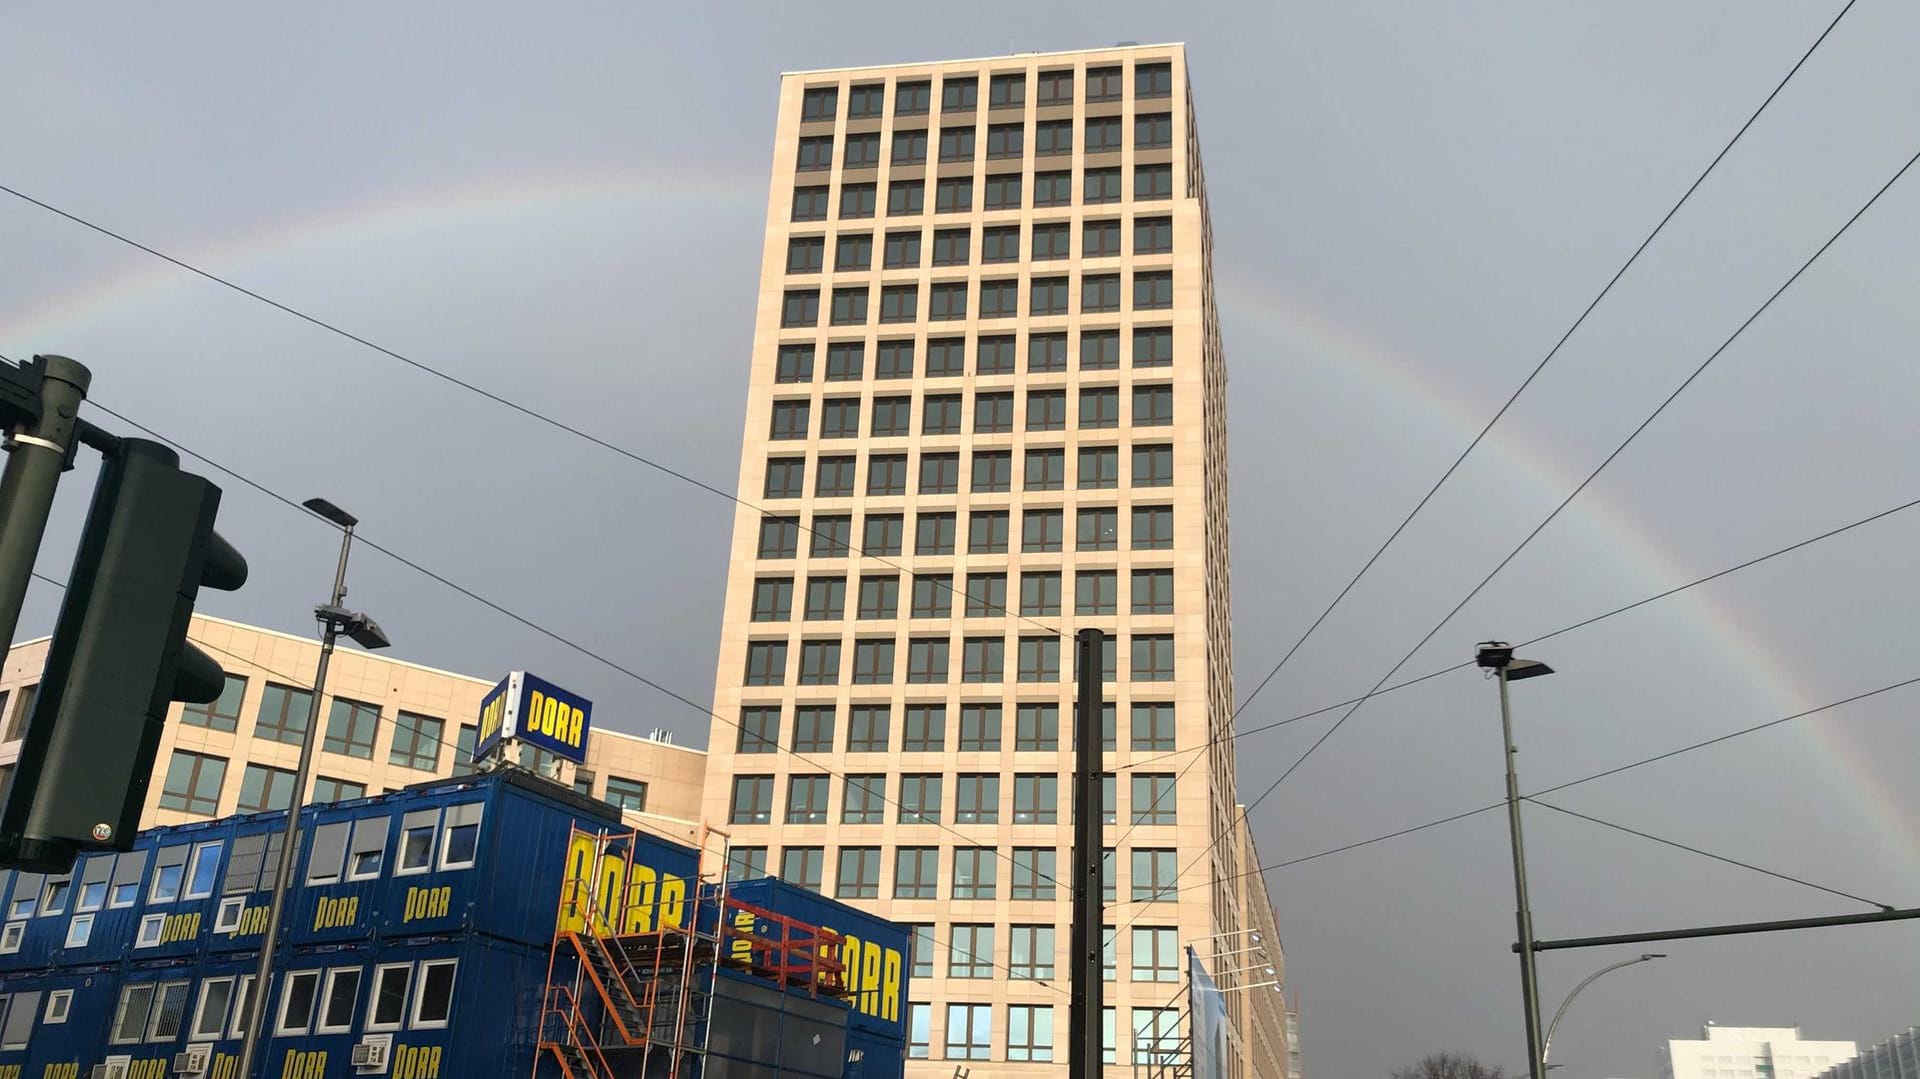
{"x": 40, "y": 410}
{"x": 1087, "y": 974}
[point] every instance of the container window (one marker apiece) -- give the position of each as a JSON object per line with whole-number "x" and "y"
{"x": 296, "y": 1002}
{"x": 367, "y": 854}
{"x": 435, "y": 1000}
{"x": 461, "y": 845}
{"x": 227, "y": 919}
{"x": 79, "y": 930}
{"x": 242, "y": 1003}
{"x": 243, "y": 869}
{"x": 169, "y": 870}
{"x": 389, "y": 1007}
{"x": 18, "y": 1027}
{"x": 169, "y": 1010}
{"x": 93, "y": 883}
{"x": 10, "y": 937}
{"x": 329, "y": 850}
{"x": 128, "y": 868}
{"x": 149, "y": 932}
{"x": 340, "y": 1000}
{"x": 59, "y": 890}
{"x": 416, "y": 841}
{"x": 203, "y": 871}
{"x": 26, "y": 895}
{"x": 130, "y": 1017}
{"x": 59, "y": 1006}
{"x": 210, "y": 1016}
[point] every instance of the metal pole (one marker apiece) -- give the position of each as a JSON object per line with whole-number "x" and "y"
{"x": 35, "y": 458}
{"x": 1523, "y": 914}
{"x": 1546, "y": 1044}
{"x": 1086, "y": 973}
{"x": 263, "y": 973}
{"x": 1697, "y": 932}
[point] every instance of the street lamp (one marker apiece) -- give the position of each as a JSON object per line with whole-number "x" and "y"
{"x": 335, "y": 619}
{"x": 1546, "y": 1046}
{"x": 1498, "y": 657}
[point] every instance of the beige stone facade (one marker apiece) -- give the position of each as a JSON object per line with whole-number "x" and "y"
{"x": 986, "y": 409}
{"x": 396, "y": 723}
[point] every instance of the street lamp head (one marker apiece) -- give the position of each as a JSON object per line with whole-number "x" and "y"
{"x": 1254, "y": 937}
{"x": 360, "y": 628}
{"x": 331, "y": 512}
{"x": 1644, "y": 956}
{"x": 1498, "y": 656}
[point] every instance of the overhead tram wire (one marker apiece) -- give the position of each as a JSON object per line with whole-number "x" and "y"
{"x": 297, "y": 680}
{"x": 1501, "y": 412}
{"x": 1582, "y": 624}
{"x": 1564, "y": 503}
{"x": 544, "y": 631}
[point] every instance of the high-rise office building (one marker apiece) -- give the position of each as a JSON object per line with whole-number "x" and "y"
{"x": 1750, "y": 1053}
{"x": 986, "y": 409}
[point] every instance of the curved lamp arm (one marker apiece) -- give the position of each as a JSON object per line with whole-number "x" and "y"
{"x": 1546, "y": 1046}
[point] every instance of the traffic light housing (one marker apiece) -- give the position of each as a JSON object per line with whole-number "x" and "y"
{"x": 118, "y": 658}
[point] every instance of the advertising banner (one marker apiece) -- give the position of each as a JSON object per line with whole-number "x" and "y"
{"x": 534, "y": 710}
{"x": 1209, "y": 1022}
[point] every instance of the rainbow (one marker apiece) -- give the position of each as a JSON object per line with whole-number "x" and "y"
{"x": 1296, "y": 331}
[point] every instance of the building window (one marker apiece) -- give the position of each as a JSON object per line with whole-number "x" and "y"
{"x": 902, "y": 252}
{"x": 1039, "y": 659}
{"x": 832, "y": 533}
{"x": 895, "y": 360}
{"x": 834, "y": 478}
{"x": 934, "y": 533}
{"x": 807, "y": 799}
{"x": 1100, "y": 407}
{"x": 779, "y": 537}
{"x": 1039, "y": 593}
{"x": 1152, "y": 131}
{"x": 1101, "y": 186}
{"x": 859, "y": 875}
{"x": 863, "y": 151}
{"x": 912, "y": 98}
{"x": 816, "y": 153}
{"x": 939, "y": 473}
{"x": 329, "y": 789}
{"x": 1152, "y": 406}
{"x": 1051, "y": 189}
{"x": 845, "y": 361}
{"x": 976, "y": 799}
{"x": 1046, "y": 354}
{"x": 1053, "y": 138}
{"x": 1000, "y": 299}
{"x": 1153, "y": 346}
{"x": 193, "y": 783}
{"x": 910, "y": 147}
{"x": 993, "y": 469}
{"x": 1153, "y": 727}
{"x": 806, "y": 254}
{"x": 1103, "y": 135}
{"x": 759, "y": 729}
{"x": 263, "y": 788}
{"x": 1109, "y": 654}
{"x": 906, "y": 198}
{"x": 1100, "y": 239}
{"x": 953, "y": 195}
{"x": 813, "y": 728}
{"x": 1104, "y": 84}
{"x": 920, "y": 798}
{"x": 1153, "y": 799}
{"x": 1036, "y": 800}
{"x": 927, "y": 661}
{"x": 852, "y": 251}
{"x": 1095, "y": 592}
{"x": 921, "y": 950}
{"x": 857, "y": 200}
{"x": 947, "y": 358}
{"x": 1099, "y": 350}
{"x": 979, "y": 728}
{"x": 1153, "y": 657}
{"x": 790, "y": 421}
{"x": 879, "y": 596}
{"x": 1153, "y": 466}
{"x": 947, "y": 301}
{"x": 809, "y": 204}
{"x": 786, "y": 478}
{"x": 468, "y": 737}
{"x": 987, "y": 532}
{"x": 883, "y": 534}
{"x": 283, "y": 714}
{"x": 865, "y": 801}
{"x": 868, "y": 728}
{"x": 959, "y": 94}
{"x": 873, "y": 661}
{"x": 802, "y": 866}
{"x": 1152, "y": 235}
{"x": 926, "y": 728}
{"x": 1155, "y": 875}
{"x": 1030, "y": 952}
{"x": 1153, "y": 528}
{"x": 970, "y": 952}
{"x": 819, "y": 663}
{"x": 986, "y": 594}
{"x": 866, "y": 102}
{"x": 975, "y": 872}
{"x": 1099, "y": 292}
{"x": 932, "y": 596}
{"x": 1152, "y": 182}
{"x": 969, "y": 1032}
{"x": 1156, "y": 955}
{"x": 916, "y": 875}
{"x": 919, "y": 1029}
{"x": 887, "y": 472}
{"x": 1047, "y": 296}
{"x": 1153, "y": 591}
{"x": 952, "y": 247}
{"x": 772, "y": 599}
{"x": 351, "y": 726}
{"x": 994, "y": 411}
{"x": 794, "y": 363}
{"x": 984, "y": 659}
{"x": 800, "y": 308}
{"x": 1099, "y": 529}
{"x": 1053, "y": 241}
{"x": 1056, "y": 88}
{"x": 899, "y": 303}
{"x": 1099, "y": 468}
{"x": 222, "y": 715}
{"x": 1002, "y": 192}
{"x": 1007, "y": 91}
{"x": 818, "y": 104}
{"x": 956, "y": 143}
{"x": 850, "y": 306}
{"x": 752, "y": 800}
{"x": 1153, "y": 290}
{"x": 1042, "y": 531}
{"x": 1005, "y": 141}
{"x": 1153, "y": 80}
{"x": 746, "y": 863}
{"x": 766, "y": 663}
{"x": 1030, "y": 1031}
{"x": 1037, "y": 726}
{"x": 826, "y": 601}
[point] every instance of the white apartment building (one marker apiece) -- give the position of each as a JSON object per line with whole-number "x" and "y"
{"x": 1751, "y": 1053}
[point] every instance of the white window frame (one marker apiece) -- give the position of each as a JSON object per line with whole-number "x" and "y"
{"x": 200, "y": 850}
{"x": 151, "y": 926}
{"x": 242, "y": 991}
{"x": 419, "y": 990}
{"x": 155, "y": 1012}
{"x": 59, "y": 1007}
{"x": 11, "y": 936}
{"x": 197, "y": 1032}
{"x": 153, "y": 886}
{"x": 432, "y": 828}
{"x": 352, "y": 870}
{"x": 49, "y": 905}
{"x": 80, "y": 904}
{"x": 79, "y": 930}
{"x": 326, "y": 994}
{"x": 373, "y": 998}
{"x": 6, "y": 1018}
{"x": 280, "y": 1027}
{"x": 446, "y": 835}
{"x": 120, "y": 1014}
{"x": 226, "y": 917}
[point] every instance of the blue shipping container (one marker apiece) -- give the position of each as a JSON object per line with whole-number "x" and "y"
{"x": 875, "y": 950}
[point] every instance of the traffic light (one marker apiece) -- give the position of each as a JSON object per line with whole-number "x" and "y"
{"x": 119, "y": 656}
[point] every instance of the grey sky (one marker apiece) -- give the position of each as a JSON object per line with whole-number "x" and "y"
{"x": 1411, "y": 202}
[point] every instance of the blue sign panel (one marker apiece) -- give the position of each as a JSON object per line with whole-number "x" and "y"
{"x": 534, "y": 710}
{"x": 1209, "y": 1022}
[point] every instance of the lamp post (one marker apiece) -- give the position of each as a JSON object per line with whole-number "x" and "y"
{"x": 1546, "y": 1045}
{"x": 364, "y": 631}
{"x": 1497, "y": 656}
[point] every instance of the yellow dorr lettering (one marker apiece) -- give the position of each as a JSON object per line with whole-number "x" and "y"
{"x": 743, "y": 921}
{"x": 870, "y": 977}
{"x": 673, "y": 900}
{"x": 575, "y": 720}
{"x": 613, "y": 876}
{"x": 433, "y": 1062}
{"x": 850, "y": 971}
{"x": 579, "y": 869}
{"x": 403, "y": 1062}
{"x": 890, "y": 986}
{"x": 641, "y": 893}
{"x": 537, "y": 715}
